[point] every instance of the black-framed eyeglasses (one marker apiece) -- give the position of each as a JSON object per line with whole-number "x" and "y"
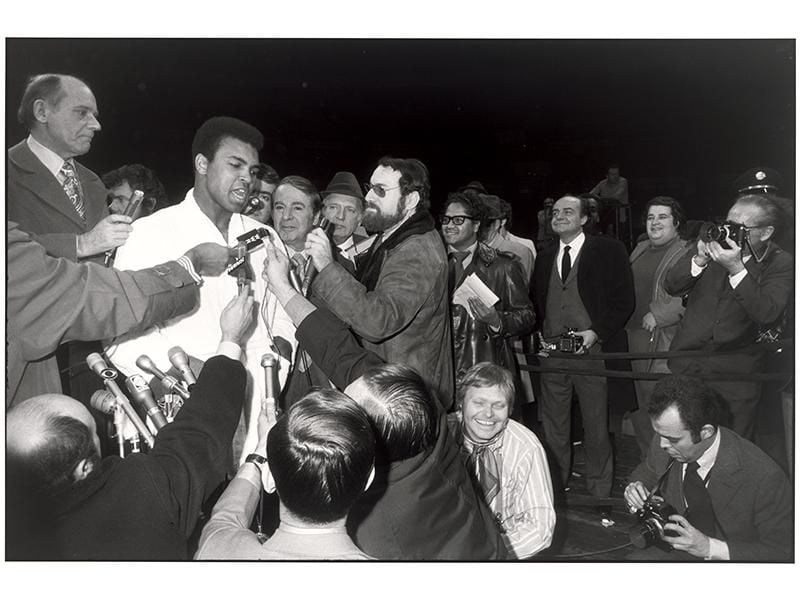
{"x": 456, "y": 219}
{"x": 380, "y": 191}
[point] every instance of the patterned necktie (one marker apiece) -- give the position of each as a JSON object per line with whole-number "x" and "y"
{"x": 699, "y": 511}
{"x": 72, "y": 187}
{"x": 455, "y": 268}
{"x": 566, "y": 264}
{"x": 487, "y": 469}
{"x": 299, "y": 266}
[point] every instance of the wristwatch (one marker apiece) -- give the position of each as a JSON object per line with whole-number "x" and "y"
{"x": 256, "y": 459}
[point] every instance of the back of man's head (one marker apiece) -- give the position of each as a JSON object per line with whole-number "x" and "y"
{"x": 47, "y": 439}
{"x": 413, "y": 178}
{"x": 400, "y": 407}
{"x": 210, "y": 135}
{"x": 697, "y": 403}
{"x": 321, "y": 454}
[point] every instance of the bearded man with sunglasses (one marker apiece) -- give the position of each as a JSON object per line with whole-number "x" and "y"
{"x": 397, "y": 303}
{"x": 483, "y": 332}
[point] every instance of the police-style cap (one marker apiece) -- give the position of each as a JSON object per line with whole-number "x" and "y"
{"x": 758, "y": 179}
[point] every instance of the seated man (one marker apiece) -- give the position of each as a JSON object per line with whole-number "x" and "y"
{"x": 66, "y": 502}
{"x": 321, "y": 455}
{"x": 506, "y": 458}
{"x": 422, "y": 504}
{"x": 733, "y": 502}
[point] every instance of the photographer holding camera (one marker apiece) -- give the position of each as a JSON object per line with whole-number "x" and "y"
{"x": 704, "y": 490}
{"x": 738, "y": 282}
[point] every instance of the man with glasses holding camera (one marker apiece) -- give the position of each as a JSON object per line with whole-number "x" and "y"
{"x": 737, "y": 283}
{"x": 397, "y": 303}
{"x": 483, "y": 332}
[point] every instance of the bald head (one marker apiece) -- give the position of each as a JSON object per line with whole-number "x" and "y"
{"x": 52, "y": 439}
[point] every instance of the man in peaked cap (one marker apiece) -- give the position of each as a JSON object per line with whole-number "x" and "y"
{"x": 343, "y": 204}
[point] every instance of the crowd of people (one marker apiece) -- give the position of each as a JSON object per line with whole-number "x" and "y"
{"x": 356, "y": 358}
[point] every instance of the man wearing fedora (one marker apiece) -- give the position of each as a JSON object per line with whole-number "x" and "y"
{"x": 343, "y": 204}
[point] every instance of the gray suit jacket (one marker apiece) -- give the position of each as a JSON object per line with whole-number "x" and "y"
{"x": 38, "y": 203}
{"x": 751, "y": 496}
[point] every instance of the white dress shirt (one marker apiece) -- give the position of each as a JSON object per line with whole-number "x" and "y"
{"x": 167, "y": 234}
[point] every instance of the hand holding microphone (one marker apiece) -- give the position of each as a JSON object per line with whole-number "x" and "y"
{"x": 318, "y": 247}
{"x": 180, "y": 360}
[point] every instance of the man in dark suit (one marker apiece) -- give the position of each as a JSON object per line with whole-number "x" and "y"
{"x": 584, "y": 284}
{"x": 50, "y": 195}
{"x": 734, "y": 290}
{"x": 732, "y": 501}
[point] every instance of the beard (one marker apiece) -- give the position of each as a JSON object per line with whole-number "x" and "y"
{"x": 374, "y": 221}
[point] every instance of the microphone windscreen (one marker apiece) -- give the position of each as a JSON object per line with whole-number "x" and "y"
{"x": 103, "y": 401}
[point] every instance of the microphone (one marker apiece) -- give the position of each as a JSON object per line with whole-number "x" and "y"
{"x": 268, "y": 361}
{"x": 130, "y": 210}
{"x": 328, "y": 227}
{"x": 168, "y": 381}
{"x": 96, "y": 363}
{"x": 103, "y": 401}
{"x": 180, "y": 360}
{"x": 141, "y": 393}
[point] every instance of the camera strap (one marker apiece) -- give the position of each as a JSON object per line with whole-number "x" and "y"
{"x": 661, "y": 480}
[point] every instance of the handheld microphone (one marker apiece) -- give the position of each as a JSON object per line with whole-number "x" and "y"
{"x": 268, "y": 361}
{"x": 253, "y": 204}
{"x": 168, "y": 381}
{"x": 130, "y": 210}
{"x": 328, "y": 227}
{"x": 180, "y": 360}
{"x": 99, "y": 366}
{"x": 141, "y": 393}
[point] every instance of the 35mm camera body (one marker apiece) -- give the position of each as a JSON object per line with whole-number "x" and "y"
{"x": 724, "y": 232}
{"x": 651, "y": 519}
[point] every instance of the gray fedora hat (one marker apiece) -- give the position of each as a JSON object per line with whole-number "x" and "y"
{"x": 345, "y": 183}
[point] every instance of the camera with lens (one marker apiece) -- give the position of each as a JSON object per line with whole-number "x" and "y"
{"x": 722, "y": 232}
{"x": 570, "y": 342}
{"x": 651, "y": 519}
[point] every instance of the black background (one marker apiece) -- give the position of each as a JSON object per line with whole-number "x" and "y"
{"x": 529, "y": 118}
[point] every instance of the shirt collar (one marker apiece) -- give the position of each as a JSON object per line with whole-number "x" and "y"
{"x": 52, "y": 161}
{"x": 709, "y": 457}
{"x": 575, "y": 245}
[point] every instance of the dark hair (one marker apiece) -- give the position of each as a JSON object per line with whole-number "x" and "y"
{"x": 211, "y": 134}
{"x": 49, "y": 467}
{"x": 486, "y": 374}
{"x": 305, "y": 186}
{"x": 402, "y": 410}
{"x": 263, "y": 172}
{"x": 413, "y": 178}
{"x": 583, "y": 203}
{"x": 47, "y": 86}
{"x": 141, "y": 178}
{"x": 697, "y": 403}
{"x": 321, "y": 453}
{"x": 678, "y": 216}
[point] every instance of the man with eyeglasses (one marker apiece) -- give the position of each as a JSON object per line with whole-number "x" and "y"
{"x": 733, "y": 292}
{"x": 482, "y": 332}
{"x": 397, "y": 303}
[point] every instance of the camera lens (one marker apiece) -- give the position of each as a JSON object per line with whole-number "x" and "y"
{"x": 714, "y": 233}
{"x": 644, "y": 535}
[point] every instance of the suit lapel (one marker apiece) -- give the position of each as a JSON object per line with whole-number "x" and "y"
{"x": 41, "y": 182}
{"x": 724, "y": 482}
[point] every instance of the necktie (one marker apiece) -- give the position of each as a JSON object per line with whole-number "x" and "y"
{"x": 456, "y": 268}
{"x": 487, "y": 468}
{"x": 72, "y": 187}
{"x": 699, "y": 511}
{"x": 299, "y": 265}
{"x": 566, "y": 264}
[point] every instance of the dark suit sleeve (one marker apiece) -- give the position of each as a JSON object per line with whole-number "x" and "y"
{"x": 333, "y": 348}
{"x": 678, "y": 280}
{"x": 192, "y": 453}
{"x": 619, "y": 295}
{"x": 764, "y": 294}
{"x": 50, "y": 300}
